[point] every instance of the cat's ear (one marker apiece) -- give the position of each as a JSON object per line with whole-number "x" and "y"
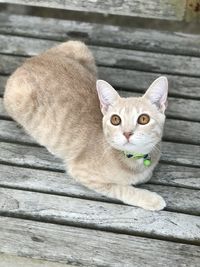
{"x": 107, "y": 95}
{"x": 157, "y": 93}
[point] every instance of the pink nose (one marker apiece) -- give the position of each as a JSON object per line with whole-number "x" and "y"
{"x": 127, "y": 135}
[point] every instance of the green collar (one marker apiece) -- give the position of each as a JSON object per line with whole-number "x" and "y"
{"x": 146, "y": 157}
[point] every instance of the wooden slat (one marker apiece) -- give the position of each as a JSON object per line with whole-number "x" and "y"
{"x": 175, "y": 130}
{"x": 147, "y": 61}
{"x": 161, "y": 9}
{"x": 179, "y": 86}
{"x": 112, "y": 57}
{"x": 10, "y": 131}
{"x": 99, "y": 215}
{"x": 3, "y": 113}
{"x": 181, "y": 131}
{"x": 3, "y": 80}
{"x": 177, "y": 176}
{"x": 100, "y": 34}
{"x": 38, "y": 157}
{"x": 28, "y": 156}
{"x": 14, "y": 261}
{"x": 86, "y": 247}
{"x": 8, "y": 63}
{"x": 178, "y": 199}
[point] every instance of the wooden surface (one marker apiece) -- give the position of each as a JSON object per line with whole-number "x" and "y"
{"x": 111, "y": 57}
{"x": 45, "y": 214}
{"x": 14, "y": 261}
{"x": 162, "y": 9}
{"x": 100, "y": 34}
{"x": 85, "y": 247}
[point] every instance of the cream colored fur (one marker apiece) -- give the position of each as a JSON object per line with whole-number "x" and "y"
{"x": 54, "y": 97}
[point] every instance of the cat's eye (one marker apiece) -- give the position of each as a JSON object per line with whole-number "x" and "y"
{"x": 115, "y": 120}
{"x": 143, "y": 119}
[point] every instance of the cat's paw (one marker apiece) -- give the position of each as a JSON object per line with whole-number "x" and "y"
{"x": 153, "y": 201}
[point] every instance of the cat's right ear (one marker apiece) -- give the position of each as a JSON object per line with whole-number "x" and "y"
{"x": 107, "y": 95}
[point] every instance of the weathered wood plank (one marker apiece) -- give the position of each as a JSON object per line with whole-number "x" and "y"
{"x": 10, "y": 131}
{"x": 177, "y": 176}
{"x": 38, "y": 157}
{"x": 182, "y": 131}
{"x": 3, "y": 113}
{"x": 179, "y": 86}
{"x": 23, "y": 155}
{"x": 147, "y": 61}
{"x": 8, "y": 63}
{"x": 3, "y": 80}
{"x": 14, "y": 261}
{"x": 181, "y": 153}
{"x": 175, "y": 130}
{"x": 112, "y": 57}
{"x": 178, "y": 199}
{"x": 102, "y": 35}
{"x": 66, "y": 244}
{"x": 99, "y": 215}
{"x": 162, "y": 9}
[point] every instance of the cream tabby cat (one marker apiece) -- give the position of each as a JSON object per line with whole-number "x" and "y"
{"x": 54, "y": 97}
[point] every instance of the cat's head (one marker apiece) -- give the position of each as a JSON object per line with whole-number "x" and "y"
{"x": 133, "y": 124}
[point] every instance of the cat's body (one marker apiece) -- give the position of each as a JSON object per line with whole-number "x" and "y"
{"x": 53, "y": 97}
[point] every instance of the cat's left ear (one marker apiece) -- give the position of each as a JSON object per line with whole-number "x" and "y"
{"x": 157, "y": 93}
{"x": 107, "y": 95}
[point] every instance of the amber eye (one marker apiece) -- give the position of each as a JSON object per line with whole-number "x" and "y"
{"x": 143, "y": 119}
{"x": 115, "y": 120}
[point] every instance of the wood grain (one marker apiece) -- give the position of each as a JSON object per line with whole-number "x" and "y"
{"x": 178, "y": 199}
{"x": 161, "y": 9}
{"x": 99, "y": 215}
{"x": 14, "y": 261}
{"x": 133, "y": 80}
{"x": 109, "y": 56}
{"x": 101, "y": 34}
{"x": 67, "y": 244}
{"x": 3, "y": 113}
{"x": 3, "y": 80}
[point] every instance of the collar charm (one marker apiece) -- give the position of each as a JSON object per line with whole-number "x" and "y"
{"x": 146, "y": 157}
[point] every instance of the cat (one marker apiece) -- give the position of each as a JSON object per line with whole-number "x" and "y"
{"x": 107, "y": 142}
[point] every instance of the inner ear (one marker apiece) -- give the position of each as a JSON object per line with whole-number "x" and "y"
{"x": 107, "y": 95}
{"x": 157, "y": 93}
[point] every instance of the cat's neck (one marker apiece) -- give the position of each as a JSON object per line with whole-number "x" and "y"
{"x": 138, "y": 162}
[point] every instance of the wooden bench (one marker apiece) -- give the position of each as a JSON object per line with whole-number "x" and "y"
{"x": 44, "y": 213}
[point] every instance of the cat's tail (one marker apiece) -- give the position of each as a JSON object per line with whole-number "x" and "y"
{"x": 80, "y": 52}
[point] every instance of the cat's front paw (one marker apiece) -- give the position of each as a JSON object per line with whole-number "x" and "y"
{"x": 153, "y": 201}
